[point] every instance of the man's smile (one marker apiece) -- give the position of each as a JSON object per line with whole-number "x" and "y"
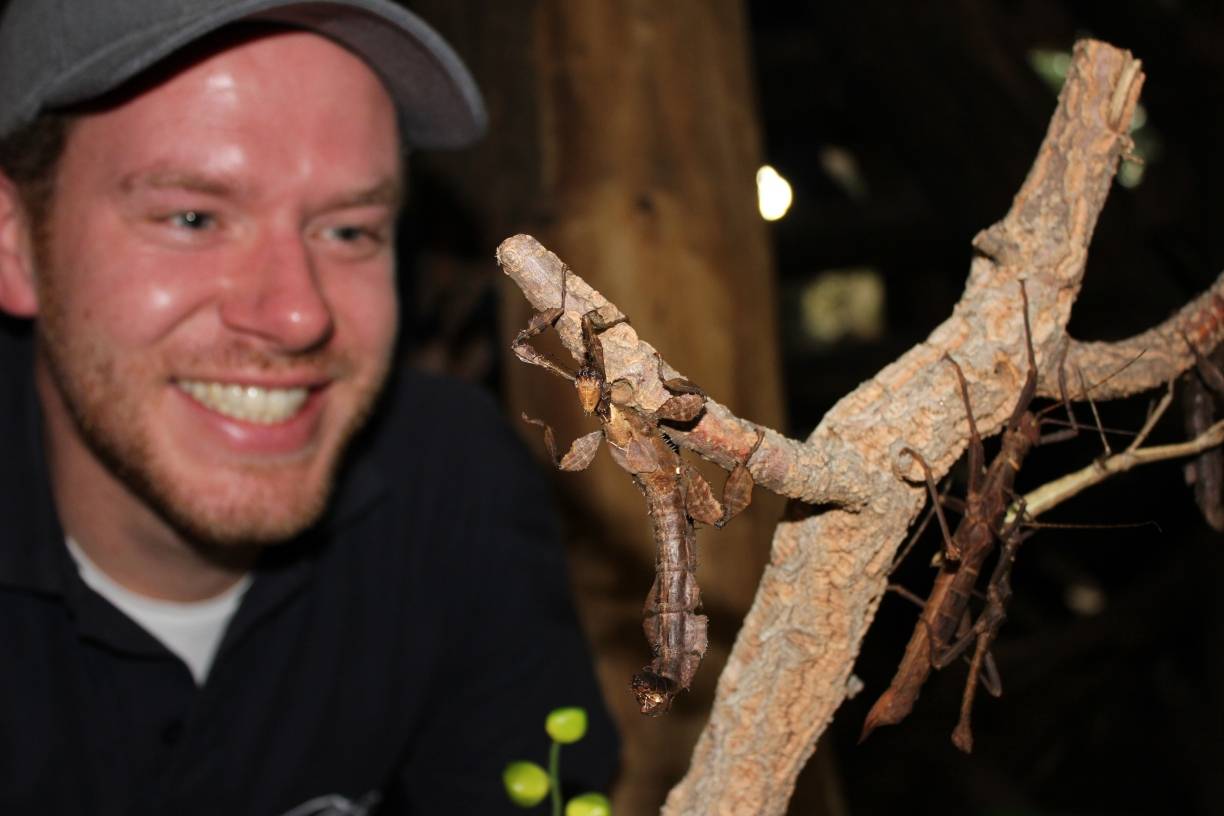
{"x": 256, "y": 404}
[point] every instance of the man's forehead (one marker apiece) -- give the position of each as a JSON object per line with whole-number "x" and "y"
{"x": 254, "y": 115}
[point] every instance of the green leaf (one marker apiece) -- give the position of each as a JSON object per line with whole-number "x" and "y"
{"x": 526, "y": 783}
{"x": 566, "y": 725}
{"x": 589, "y": 804}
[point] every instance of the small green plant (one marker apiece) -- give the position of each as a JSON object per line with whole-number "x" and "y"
{"x": 527, "y": 783}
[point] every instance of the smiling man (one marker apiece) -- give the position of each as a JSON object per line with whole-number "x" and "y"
{"x": 210, "y": 601}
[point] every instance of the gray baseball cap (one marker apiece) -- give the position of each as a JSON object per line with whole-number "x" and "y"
{"x": 58, "y": 53}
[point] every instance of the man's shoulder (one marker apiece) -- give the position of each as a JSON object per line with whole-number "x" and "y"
{"x": 439, "y": 484}
{"x": 441, "y": 441}
{"x": 425, "y": 414}
{"x": 415, "y": 394}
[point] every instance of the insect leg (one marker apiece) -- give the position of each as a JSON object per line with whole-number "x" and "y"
{"x": 527, "y": 353}
{"x": 977, "y": 455}
{"x": 687, "y": 400}
{"x": 581, "y": 452}
{"x": 737, "y": 492}
{"x": 943, "y": 500}
{"x": 952, "y": 550}
{"x": 592, "y": 327}
{"x": 962, "y": 735}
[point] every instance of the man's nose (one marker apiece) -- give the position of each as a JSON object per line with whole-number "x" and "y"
{"x": 277, "y": 297}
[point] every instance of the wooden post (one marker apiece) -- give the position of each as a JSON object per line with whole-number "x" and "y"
{"x": 624, "y": 135}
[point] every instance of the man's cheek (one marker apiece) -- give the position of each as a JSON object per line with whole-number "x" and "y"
{"x": 374, "y": 320}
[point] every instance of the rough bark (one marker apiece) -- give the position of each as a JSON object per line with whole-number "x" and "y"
{"x": 791, "y": 665}
{"x": 1151, "y": 357}
{"x": 792, "y": 661}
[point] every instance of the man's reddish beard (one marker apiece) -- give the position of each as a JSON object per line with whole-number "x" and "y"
{"x": 92, "y": 384}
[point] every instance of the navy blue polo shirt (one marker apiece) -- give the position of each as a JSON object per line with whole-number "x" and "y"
{"x": 391, "y": 660}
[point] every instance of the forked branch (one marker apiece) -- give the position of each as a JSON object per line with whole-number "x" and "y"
{"x": 791, "y": 664}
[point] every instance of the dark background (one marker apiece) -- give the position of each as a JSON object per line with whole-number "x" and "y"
{"x": 1114, "y": 712}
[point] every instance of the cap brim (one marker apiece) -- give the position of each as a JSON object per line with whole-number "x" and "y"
{"x": 438, "y": 102}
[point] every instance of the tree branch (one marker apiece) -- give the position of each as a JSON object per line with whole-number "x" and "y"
{"x": 827, "y": 474}
{"x": 792, "y": 661}
{"x": 1156, "y": 356}
{"x": 791, "y": 664}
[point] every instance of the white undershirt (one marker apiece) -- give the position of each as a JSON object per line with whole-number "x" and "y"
{"x": 190, "y": 630}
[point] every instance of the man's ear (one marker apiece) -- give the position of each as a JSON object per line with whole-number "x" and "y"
{"x": 18, "y": 293}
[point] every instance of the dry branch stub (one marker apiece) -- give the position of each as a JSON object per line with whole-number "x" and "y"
{"x": 785, "y": 466}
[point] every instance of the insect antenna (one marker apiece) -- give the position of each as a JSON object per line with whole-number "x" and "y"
{"x": 1104, "y": 428}
{"x": 1071, "y": 425}
{"x": 1048, "y": 525}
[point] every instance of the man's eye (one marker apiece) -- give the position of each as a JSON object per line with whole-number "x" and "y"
{"x": 193, "y": 220}
{"x": 357, "y": 240}
{"x": 352, "y": 234}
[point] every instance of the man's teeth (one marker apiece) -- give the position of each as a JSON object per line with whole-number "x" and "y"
{"x": 249, "y": 403}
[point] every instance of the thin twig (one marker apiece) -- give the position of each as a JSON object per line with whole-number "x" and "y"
{"x": 1154, "y": 416}
{"x": 1054, "y": 493}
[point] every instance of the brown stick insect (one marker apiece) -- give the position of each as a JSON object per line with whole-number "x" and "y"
{"x": 676, "y": 496}
{"x": 945, "y": 629}
{"x": 1203, "y": 396}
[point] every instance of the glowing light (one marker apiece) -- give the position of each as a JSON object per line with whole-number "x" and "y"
{"x": 839, "y": 164}
{"x": 843, "y": 304}
{"x": 1051, "y": 65}
{"x": 1130, "y": 174}
{"x": 774, "y": 194}
{"x": 1085, "y": 599}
